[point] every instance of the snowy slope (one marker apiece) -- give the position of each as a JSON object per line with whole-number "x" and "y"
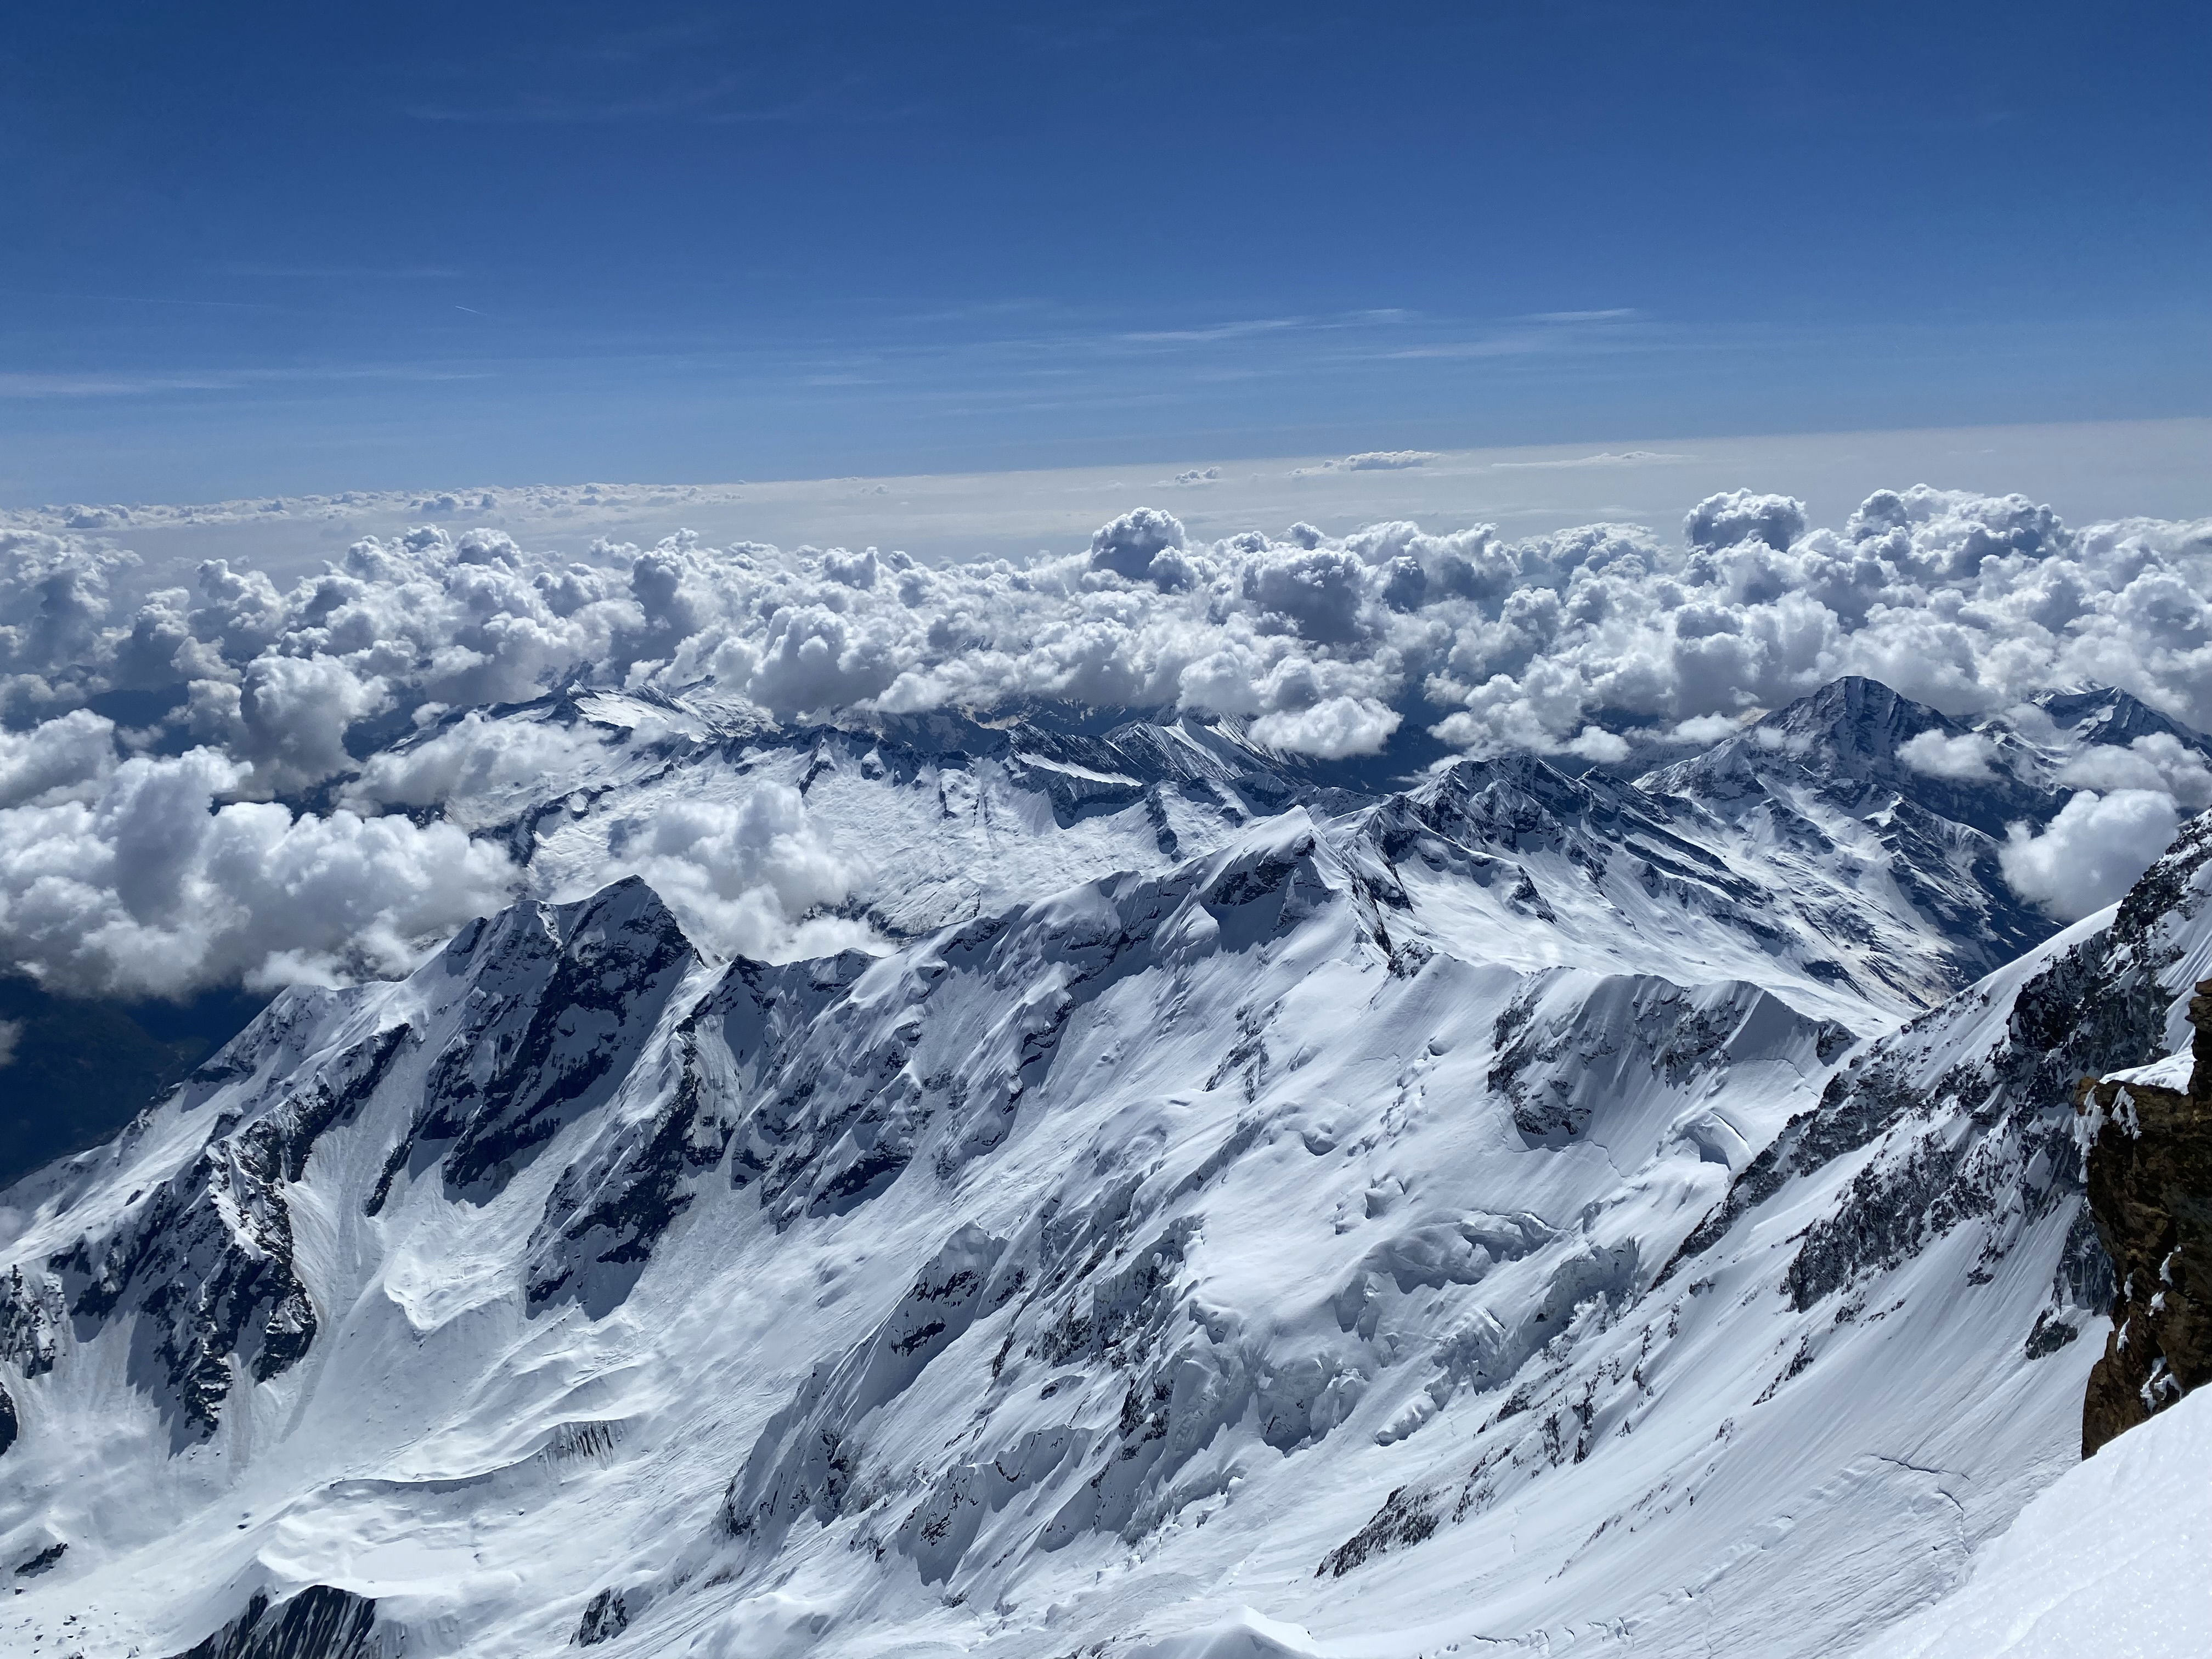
{"x": 2108, "y": 1560}
{"x": 1804, "y": 838}
{"x": 1504, "y": 1211}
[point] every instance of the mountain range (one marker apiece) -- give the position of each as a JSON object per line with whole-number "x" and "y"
{"x": 1180, "y": 1199}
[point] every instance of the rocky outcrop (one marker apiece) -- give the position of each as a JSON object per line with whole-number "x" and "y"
{"x": 561, "y": 998}
{"x": 1801, "y": 774}
{"x": 1561, "y": 1067}
{"x": 320, "y": 1622}
{"x": 2149, "y": 1135}
{"x": 605, "y": 1618}
{"x": 207, "y": 1264}
{"x": 1968, "y": 1118}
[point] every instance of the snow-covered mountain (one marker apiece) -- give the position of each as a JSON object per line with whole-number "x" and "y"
{"x": 1175, "y": 1198}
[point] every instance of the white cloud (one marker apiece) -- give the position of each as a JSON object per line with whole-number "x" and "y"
{"x": 150, "y": 889}
{"x": 1964, "y": 758}
{"x": 1594, "y": 743}
{"x": 1704, "y": 729}
{"x": 1318, "y": 591}
{"x": 1967, "y": 602}
{"x": 478, "y": 769}
{"x": 291, "y": 717}
{"x": 1127, "y": 546}
{"x": 1326, "y": 644}
{"x": 741, "y": 874}
{"x": 54, "y": 598}
{"x": 1332, "y": 729}
{"x": 1387, "y": 461}
{"x": 11, "y": 1033}
{"x": 1603, "y": 458}
{"x": 852, "y": 569}
{"x": 816, "y": 660}
{"x": 1609, "y": 315}
{"x": 1738, "y": 516}
{"x": 58, "y": 759}
{"x": 2093, "y": 851}
{"x": 2157, "y": 761}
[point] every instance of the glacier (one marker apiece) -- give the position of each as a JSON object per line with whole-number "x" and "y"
{"x": 1213, "y": 1203}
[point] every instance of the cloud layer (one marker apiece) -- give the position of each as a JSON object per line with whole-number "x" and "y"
{"x": 2091, "y": 852}
{"x": 257, "y": 716}
{"x": 136, "y": 876}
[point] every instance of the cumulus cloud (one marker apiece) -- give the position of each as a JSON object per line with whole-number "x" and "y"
{"x": 54, "y": 598}
{"x": 354, "y": 705}
{"x": 1739, "y": 516}
{"x": 852, "y": 569}
{"x": 1334, "y": 729}
{"x": 1968, "y": 603}
{"x": 1596, "y": 743}
{"x": 477, "y": 768}
{"x": 56, "y": 760}
{"x": 2157, "y": 761}
{"x": 2093, "y": 851}
{"x": 1703, "y": 729}
{"x": 141, "y": 885}
{"x": 1964, "y": 758}
{"x": 1127, "y": 547}
{"x": 1317, "y": 591}
{"x": 817, "y": 659}
{"x": 1386, "y": 460}
{"x": 740, "y": 873}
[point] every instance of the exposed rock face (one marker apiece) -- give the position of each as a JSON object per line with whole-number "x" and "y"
{"x": 2150, "y": 1137}
{"x": 568, "y": 993}
{"x": 1805, "y": 773}
{"x": 319, "y": 1623}
{"x": 207, "y": 1263}
{"x": 1965, "y": 1109}
{"x": 606, "y": 1618}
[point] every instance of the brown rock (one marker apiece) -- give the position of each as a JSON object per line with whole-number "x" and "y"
{"x": 2150, "y": 1192}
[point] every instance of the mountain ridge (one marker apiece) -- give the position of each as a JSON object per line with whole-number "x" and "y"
{"x": 1369, "y": 1190}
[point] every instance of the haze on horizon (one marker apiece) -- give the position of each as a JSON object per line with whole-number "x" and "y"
{"x": 276, "y": 249}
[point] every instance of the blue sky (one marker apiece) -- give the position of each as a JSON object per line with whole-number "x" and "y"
{"x": 257, "y": 248}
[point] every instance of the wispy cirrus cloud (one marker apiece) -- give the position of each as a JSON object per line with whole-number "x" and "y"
{"x": 1251, "y": 327}
{"x": 66, "y": 385}
{"x": 1610, "y": 314}
{"x": 131, "y": 300}
{"x": 1603, "y": 458}
{"x": 340, "y": 272}
{"x": 1237, "y": 331}
{"x": 1495, "y": 345}
{"x": 63, "y": 383}
{"x": 729, "y": 99}
{"x": 1538, "y": 333}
